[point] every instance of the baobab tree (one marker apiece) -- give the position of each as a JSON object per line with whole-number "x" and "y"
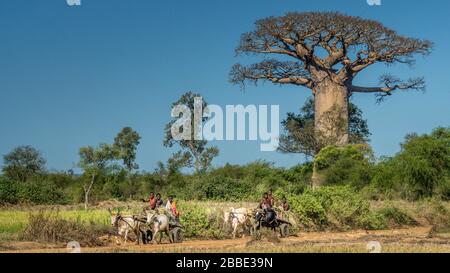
{"x": 324, "y": 52}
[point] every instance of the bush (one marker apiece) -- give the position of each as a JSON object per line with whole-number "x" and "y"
{"x": 199, "y": 222}
{"x": 349, "y": 165}
{"x": 35, "y": 192}
{"x": 396, "y": 217}
{"x": 338, "y": 207}
{"x": 435, "y": 214}
{"x": 41, "y": 192}
{"x": 372, "y": 221}
{"x": 8, "y": 191}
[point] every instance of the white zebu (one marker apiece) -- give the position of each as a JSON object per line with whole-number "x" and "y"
{"x": 125, "y": 224}
{"x": 160, "y": 223}
{"x": 236, "y": 217}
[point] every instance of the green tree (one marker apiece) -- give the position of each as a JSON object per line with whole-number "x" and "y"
{"x": 299, "y": 135}
{"x": 126, "y": 143}
{"x": 94, "y": 161}
{"x": 349, "y": 165}
{"x": 22, "y": 163}
{"x": 421, "y": 169}
{"x": 201, "y": 156}
{"x": 425, "y": 161}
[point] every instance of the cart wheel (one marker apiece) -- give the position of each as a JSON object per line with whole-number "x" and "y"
{"x": 177, "y": 234}
{"x": 284, "y": 230}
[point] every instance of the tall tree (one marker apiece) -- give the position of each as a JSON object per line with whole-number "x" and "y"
{"x": 22, "y": 163}
{"x": 125, "y": 144}
{"x": 201, "y": 156}
{"x": 94, "y": 161}
{"x": 327, "y": 51}
{"x": 300, "y": 137}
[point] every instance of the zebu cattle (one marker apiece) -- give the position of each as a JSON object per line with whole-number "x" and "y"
{"x": 237, "y": 217}
{"x": 125, "y": 224}
{"x": 160, "y": 224}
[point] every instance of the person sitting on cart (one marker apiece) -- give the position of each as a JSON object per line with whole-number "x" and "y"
{"x": 158, "y": 201}
{"x": 285, "y": 204}
{"x": 271, "y": 198}
{"x": 171, "y": 207}
{"x": 151, "y": 201}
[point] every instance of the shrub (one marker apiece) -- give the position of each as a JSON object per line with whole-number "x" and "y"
{"x": 372, "y": 221}
{"x": 41, "y": 192}
{"x": 309, "y": 209}
{"x": 329, "y": 207}
{"x": 435, "y": 214}
{"x": 199, "y": 222}
{"x": 8, "y": 191}
{"x": 396, "y": 217}
{"x": 345, "y": 165}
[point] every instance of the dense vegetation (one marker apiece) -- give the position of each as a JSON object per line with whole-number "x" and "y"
{"x": 420, "y": 170}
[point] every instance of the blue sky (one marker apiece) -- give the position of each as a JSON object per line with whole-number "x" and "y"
{"x": 74, "y": 76}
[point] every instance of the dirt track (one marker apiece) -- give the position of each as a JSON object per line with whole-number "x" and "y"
{"x": 402, "y": 240}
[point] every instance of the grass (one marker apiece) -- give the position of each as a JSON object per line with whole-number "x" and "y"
{"x": 14, "y": 222}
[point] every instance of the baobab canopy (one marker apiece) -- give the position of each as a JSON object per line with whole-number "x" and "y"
{"x": 352, "y": 44}
{"x": 325, "y": 51}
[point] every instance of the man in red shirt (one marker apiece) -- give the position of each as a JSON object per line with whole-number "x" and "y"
{"x": 152, "y": 201}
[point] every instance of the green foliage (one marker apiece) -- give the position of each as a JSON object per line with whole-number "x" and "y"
{"x": 342, "y": 207}
{"x": 8, "y": 191}
{"x": 125, "y": 144}
{"x": 249, "y": 182}
{"x": 396, "y": 217}
{"x": 201, "y": 222}
{"x": 200, "y": 156}
{"x": 420, "y": 170}
{"x": 300, "y": 135}
{"x": 39, "y": 190}
{"x": 309, "y": 209}
{"x": 351, "y": 165}
{"x": 330, "y": 206}
{"x": 372, "y": 221}
{"x": 426, "y": 161}
{"x": 22, "y": 163}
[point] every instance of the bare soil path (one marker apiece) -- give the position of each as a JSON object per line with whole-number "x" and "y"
{"x": 417, "y": 239}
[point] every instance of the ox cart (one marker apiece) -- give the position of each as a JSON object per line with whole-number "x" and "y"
{"x": 269, "y": 219}
{"x": 153, "y": 223}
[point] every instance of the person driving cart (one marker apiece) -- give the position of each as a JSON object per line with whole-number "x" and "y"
{"x": 265, "y": 202}
{"x": 266, "y": 206}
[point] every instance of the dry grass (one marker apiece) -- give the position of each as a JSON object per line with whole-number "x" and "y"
{"x": 51, "y": 228}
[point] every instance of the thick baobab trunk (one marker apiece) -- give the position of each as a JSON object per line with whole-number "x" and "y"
{"x": 331, "y": 113}
{"x": 331, "y": 118}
